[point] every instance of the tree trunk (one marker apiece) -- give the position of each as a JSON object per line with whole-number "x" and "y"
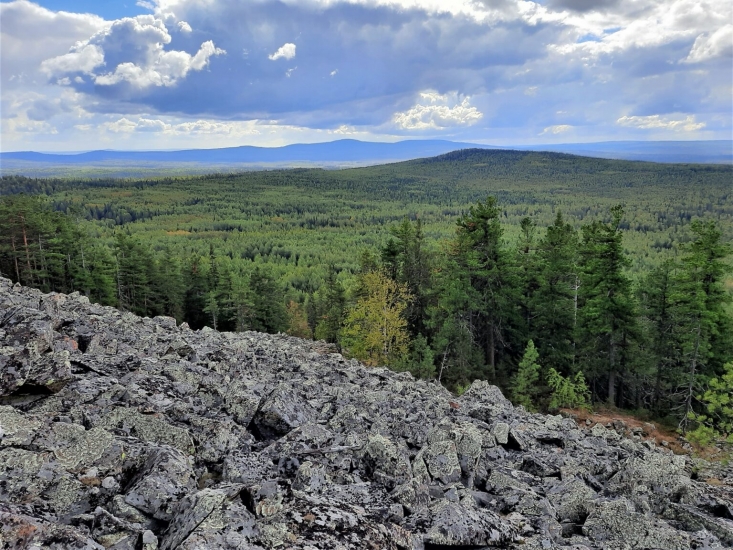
{"x": 691, "y": 382}
{"x": 27, "y": 252}
{"x": 15, "y": 259}
{"x": 492, "y": 351}
{"x": 612, "y": 387}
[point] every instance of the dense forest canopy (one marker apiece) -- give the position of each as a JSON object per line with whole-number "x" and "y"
{"x": 560, "y": 278}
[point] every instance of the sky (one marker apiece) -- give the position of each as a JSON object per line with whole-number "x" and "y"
{"x": 78, "y": 75}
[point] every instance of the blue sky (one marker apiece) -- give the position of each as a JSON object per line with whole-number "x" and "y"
{"x": 166, "y": 74}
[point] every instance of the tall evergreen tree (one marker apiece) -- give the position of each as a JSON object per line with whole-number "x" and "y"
{"x": 328, "y": 308}
{"x": 607, "y": 317}
{"x": 657, "y": 298}
{"x": 478, "y": 297}
{"x": 406, "y": 260}
{"x": 556, "y": 298}
{"x": 268, "y": 303}
{"x": 701, "y": 300}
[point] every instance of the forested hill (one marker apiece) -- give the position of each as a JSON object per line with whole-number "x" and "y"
{"x": 471, "y": 165}
{"x": 336, "y": 154}
{"x": 560, "y": 278}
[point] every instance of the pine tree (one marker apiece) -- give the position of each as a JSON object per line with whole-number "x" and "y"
{"x": 268, "y": 303}
{"x": 420, "y": 361}
{"x": 567, "y": 392}
{"x": 716, "y": 420}
{"x": 657, "y": 296}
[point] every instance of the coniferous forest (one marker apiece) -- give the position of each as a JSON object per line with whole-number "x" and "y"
{"x": 564, "y": 280}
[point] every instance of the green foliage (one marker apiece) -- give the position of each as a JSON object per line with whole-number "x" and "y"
{"x": 327, "y": 309}
{"x": 554, "y": 302}
{"x": 525, "y": 383}
{"x": 715, "y": 423}
{"x": 420, "y": 361}
{"x": 570, "y": 392}
{"x": 607, "y": 314}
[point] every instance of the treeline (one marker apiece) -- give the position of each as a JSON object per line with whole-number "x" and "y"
{"x": 554, "y": 319}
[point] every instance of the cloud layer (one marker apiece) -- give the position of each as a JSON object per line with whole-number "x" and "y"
{"x": 501, "y": 71}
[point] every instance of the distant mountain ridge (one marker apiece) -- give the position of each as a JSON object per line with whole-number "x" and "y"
{"x": 354, "y": 151}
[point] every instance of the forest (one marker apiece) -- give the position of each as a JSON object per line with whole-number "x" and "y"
{"x": 565, "y": 280}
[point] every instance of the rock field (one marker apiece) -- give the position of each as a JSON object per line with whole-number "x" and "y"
{"x": 136, "y": 434}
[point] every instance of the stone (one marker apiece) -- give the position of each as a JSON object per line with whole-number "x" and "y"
{"x": 615, "y": 526}
{"x": 455, "y": 525}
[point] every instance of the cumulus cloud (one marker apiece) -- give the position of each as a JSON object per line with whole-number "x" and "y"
{"x": 656, "y": 122}
{"x": 556, "y": 129}
{"x": 133, "y": 47}
{"x": 83, "y": 58}
{"x": 435, "y": 111}
{"x": 184, "y": 27}
{"x": 122, "y": 125}
{"x": 286, "y": 51}
{"x": 710, "y": 46}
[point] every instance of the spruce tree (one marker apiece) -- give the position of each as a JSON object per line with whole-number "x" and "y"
{"x": 607, "y": 323}
{"x": 525, "y": 385}
{"x": 556, "y": 298}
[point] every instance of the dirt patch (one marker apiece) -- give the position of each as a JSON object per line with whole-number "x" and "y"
{"x": 661, "y": 435}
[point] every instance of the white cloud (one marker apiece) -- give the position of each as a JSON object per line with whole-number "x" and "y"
{"x": 286, "y": 51}
{"x": 345, "y": 130}
{"x": 557, "y": 129}
{"x": 435, "y": 111}
{"x": 531, "y": 91}
{"x": 133, "y": 49}
{"x": 334, "y": 72}
{"x": 83, "y": 58}
{"x": 151, "y": 125}
{"x": 184, "y": 27}
{"x": 654, "y": 122}
{"x": 709, "y": 46}
{"x": 155, "y": 125}
{"x": 123, "y": 125}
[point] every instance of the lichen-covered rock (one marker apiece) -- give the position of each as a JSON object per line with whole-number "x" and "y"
{"x": 165, "y": 479}
{"x": 615, "y": 526}
{"x": 455, "y": 525}
{"x": 126, "y": 433}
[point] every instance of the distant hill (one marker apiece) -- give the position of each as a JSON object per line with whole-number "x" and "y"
{"x": 717, "y": 152}
{"x": 344, "y": 150}
{"x": 335, "y": 154}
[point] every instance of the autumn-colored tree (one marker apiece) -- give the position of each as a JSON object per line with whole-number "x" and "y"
{"x": 297, "y": 321}
{"x": 375, "y": 330}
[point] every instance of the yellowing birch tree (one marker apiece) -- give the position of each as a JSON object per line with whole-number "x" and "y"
{"x": 375, "y": 330}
